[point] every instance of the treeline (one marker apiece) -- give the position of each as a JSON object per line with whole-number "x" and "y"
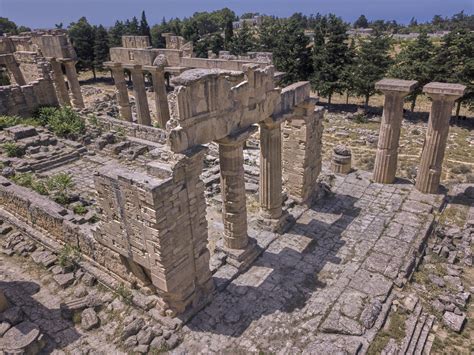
{"x": 334, "y": 63}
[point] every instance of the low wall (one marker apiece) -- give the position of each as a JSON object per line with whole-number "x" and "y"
{"x": 24, "y": 100}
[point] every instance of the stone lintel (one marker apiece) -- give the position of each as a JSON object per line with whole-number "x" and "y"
{"x": 112, "y": 65}
{"x": 405, "y": 86}
{"x": 191, "y": 76}
{"x": 446, "y": 89}
{"x": 66, "y": 60}
{"x": 136, "y": 67}
{"x": 238, "y": 137}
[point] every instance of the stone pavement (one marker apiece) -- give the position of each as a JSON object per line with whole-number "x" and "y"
{"x": 326, "y": 285}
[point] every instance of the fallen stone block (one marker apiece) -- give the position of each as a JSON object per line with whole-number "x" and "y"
{"x": 453, "y": 321}
{"x": 64, "y": 280}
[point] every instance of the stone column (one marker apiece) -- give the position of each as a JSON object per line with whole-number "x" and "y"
{"x": 74, "y": 85}
{"x": 143, "y": 112}
{"x": 270, "y": 170}
{"x": 59, "y": 83}
{"x": 122, "y": 91}
{"x": 387, "y": 148}
{"x": 161, "y": 97}
{"x": 443, "y": 96}
{"x": 14, "y": 69}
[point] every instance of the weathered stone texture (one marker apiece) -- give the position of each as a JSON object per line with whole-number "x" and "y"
{"x": 302, "y": 144}
{"x": 160, "y": 224}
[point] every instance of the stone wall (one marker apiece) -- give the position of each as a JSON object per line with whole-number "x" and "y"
{"x": 24, "y": 100}
{"x": 31, "y": 65}
{"x": 52, "y": 220}
{"x": 158, "y": 221}
{"x": 152, "y": 134}
{"x": 301, "y": 155}
{"x": 135, "y": 41}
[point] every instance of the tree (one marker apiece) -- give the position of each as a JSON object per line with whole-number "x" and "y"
{"x": 290, "y": 47}
{"x": 144, "y": 27}
{"x": 7, "y": 26}
{"x": 116, "y": 33}
{"x": 454, "y": 63}
{"x": 101, "y": 47}
{"x": 132, "y": 27}
{"x": 415, "y": 62}
{"x": 361, "y": 22}
{"x": 330, "y": 59}
{"x": 228, "y": 35}
{"x": 81, "y": 34}
{"x": 371, "y": 63}
{"x": 243, "y": 41}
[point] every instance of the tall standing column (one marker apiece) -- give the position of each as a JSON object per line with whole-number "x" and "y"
{"x": 141, "y": 100}
{"x": 59, "y": 83}
{"x": 389, "y": 137}
{"x": 74, "y": 85}
{"x": 161, "y": 97}
{"x": 270, "y": 170}
{"x": 122, "y": 91}
{"x": 443, "y": 96}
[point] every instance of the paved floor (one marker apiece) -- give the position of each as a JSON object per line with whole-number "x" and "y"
{"x": 326, "y": 284}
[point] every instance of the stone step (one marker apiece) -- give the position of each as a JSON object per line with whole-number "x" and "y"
{"x": 422, "y": 341}
{"x": 54, "y": 163}
{"x": 416, "y": 334}
{"x": 411, "y": 324}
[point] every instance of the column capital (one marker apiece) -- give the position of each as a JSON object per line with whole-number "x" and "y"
{"x": 238, "y": 137}
{"x": 444, "y": 91}
{"x": 402, "y": 87}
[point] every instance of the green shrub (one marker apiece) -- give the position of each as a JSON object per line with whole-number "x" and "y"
{"x": 69, "y": 256}
{"x": 80, "y": 209}
{"x": 64, "y": 121}
{"x": 8, "y": 121}
{"x": 23, "y": 179}
{"x": 59, "y": 185}
{"x": 12, "y": 150}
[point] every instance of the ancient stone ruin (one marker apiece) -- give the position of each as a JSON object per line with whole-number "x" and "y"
{"x": 34, "y": 62}
{"x": 221, "y": 218}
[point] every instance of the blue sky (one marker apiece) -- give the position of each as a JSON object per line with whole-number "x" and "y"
{"x": 45, "y": 13}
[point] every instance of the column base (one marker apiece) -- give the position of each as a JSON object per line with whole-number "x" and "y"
{"x": 240, "y": 258}
{"x": 276, "y": 225}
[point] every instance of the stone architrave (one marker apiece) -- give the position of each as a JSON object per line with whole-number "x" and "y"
{"x": 141, "y": 100}
{"x": 59, "y": 83}
{"x": 443, "y": 96}
{"x": 122, "y": 91}
{"x": 387, "y": 149}
{"x": 74, "y": 85}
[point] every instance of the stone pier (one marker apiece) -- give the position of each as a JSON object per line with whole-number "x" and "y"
{"x": 73, "y": 81}
{"x": 161, "y": 97}
{"x": 143, "y": 112}
{"x": 443, "y": 96}
{"x": 59, "y": 83}
{"x": 122, "y": 91}
{"x": 387, "y": 149}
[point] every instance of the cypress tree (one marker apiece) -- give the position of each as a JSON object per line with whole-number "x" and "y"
{"x": 144, "y": 27}
{"x": 101, "y": 47}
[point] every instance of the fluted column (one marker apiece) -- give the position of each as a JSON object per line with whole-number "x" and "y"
{"x": 59, "y": 83}
{"x": 234, "y": 202}
{"x": 270, "y": 170}
{"x": 74, "y": 85}
{"x": 389, "y": 137}
{"x": 122, "y": 91}
{"x": 141, "y": 99}
{"x": 161, "y": 97}
{"x": 443, "y": 96}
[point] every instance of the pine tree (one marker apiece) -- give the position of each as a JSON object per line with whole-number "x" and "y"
{"x": 133, "y": 28}
{"x": 361, "y": 22}
{"x": 330, "y": 59}
{"x": 371, "y": 63}
{"x": 116, "y": 33}
{"x": 414, "y": 62}
{"x": 454, "y": 63}
{"x": 144, "y": 27}
{"x": 243, "y": 41}
{"x": 101, "y": 47}
{"x": 228, "y": 34}
{"x": 81, "y": 34}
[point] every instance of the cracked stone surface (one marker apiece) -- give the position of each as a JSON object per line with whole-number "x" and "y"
{"x": 323, "y": 284}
